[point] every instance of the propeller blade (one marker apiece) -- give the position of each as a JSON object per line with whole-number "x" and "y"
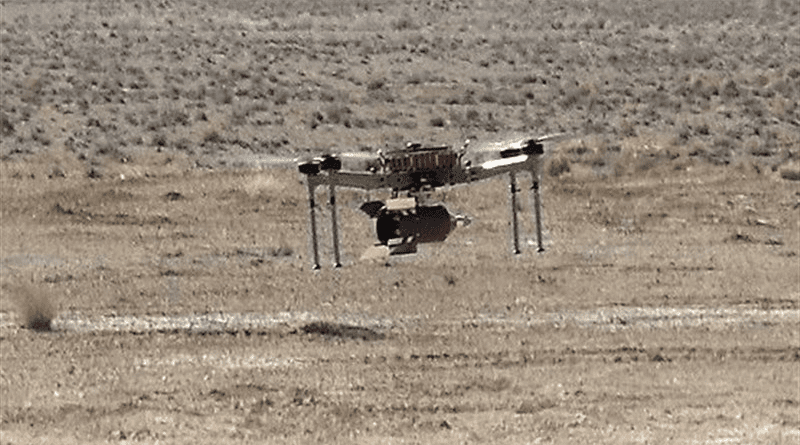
{"x": 555, "y": 137}
{"x": 357, "y": 155}
{"x": 514, "y": 142}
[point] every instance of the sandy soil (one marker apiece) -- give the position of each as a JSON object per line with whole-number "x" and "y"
{"x": 673, "y": 318}
{"x": 154, "y": 261}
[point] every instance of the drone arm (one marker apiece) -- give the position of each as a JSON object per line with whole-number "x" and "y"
{"x": 369, "y": 181}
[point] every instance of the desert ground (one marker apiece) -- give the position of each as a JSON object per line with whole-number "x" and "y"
{"x": 154, "y": 249}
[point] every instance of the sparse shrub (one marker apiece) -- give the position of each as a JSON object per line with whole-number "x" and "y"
{"x": 735, "y": 132}
{"x": 380, "y": 94}
{"x": 6, "y": 126}
{"x": 558, "y": 167}
{"x": 753, "y": 106}
{"x": 457, "y": 118}
{"x": 724, "y": 142}
{"x": 628, "y": 129}
{"x": 198, "y": 93}
{"x": 132, "y": 119}
{"x": 597, "y": 160}
{"x": 213, "y": 137}
{"x": 239, "y": 114}
{"x": 376, "y": 84}
{"x": 222, "y": 95}
{"x": 282, "y": 251}
{"x": 367, "y": 123}
{"x": 160, "y": 140}
{"x": 404, "y": 23}
{"x": 511, "y": 98}
{"x": 647, "y": 161}
{"x": 269, "y": 145}
{"x": 437, "y": 122}
{"x": 762, "y": 150}
{"x": 110, "y": 149}
{"x": 575, "y": 96}
{"x": 783, "y": 88}
{"x": 425, "y": 76}
{"x": 94, "y": 173}
{"x": 489, "y": 97}
{"x": 790, "y": 172}
{"x": 281, "y": 96}
{"x": 332, "y": 96}
{"x": 719, "y": 153}
{"x": 40, "y": 136}
{"x": 684, "y": 134}
{"x": 465, "y": 98}
{"x": 730, "y": 90}
{"x": 693, "y": 54}
{"x": 35, "y": 308}
{"x": 174, "y": 116}
{"x": 316, "y": 119}
{"x": 183, "y": 144}
{"x": 492, "y": 124}
{"x": 334, "y": 330}
{"x": 338, "y": 114}
{"x": 173, "y": 93}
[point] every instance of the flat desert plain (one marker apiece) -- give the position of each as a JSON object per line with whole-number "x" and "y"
{"x": 154, "y": 247}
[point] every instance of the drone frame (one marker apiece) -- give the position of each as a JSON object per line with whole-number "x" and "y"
{"x": 525, "y": 155}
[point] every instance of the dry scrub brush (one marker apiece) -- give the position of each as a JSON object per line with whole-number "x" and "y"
{"x": 34, "y": 306}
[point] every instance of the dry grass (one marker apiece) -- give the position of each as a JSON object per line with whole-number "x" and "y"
{"x": 433, "y": 73}
{"x": 34, "y": 305}
{"x": 236, "y": 241}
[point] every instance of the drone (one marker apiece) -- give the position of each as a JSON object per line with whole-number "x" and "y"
{"x": 411, "y": 173}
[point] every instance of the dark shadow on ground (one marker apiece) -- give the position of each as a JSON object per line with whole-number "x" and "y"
{"x": 342, "y": 330}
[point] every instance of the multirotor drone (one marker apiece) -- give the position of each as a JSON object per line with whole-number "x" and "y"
{"x": 405, "y": 220}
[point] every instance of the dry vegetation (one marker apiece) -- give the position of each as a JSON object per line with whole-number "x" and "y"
{"x": 127, "y": 133}
{"x": 716, "y": 80}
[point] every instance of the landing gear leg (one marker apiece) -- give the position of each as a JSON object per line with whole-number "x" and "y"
{"x": 514, "y": 224}
{"x": 313, "y": 219}
{"x": 537, "y": 209}
{"x": 335, "y": 227}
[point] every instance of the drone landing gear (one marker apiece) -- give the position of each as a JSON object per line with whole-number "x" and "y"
{"x": 334, "y": 225}
{"x": 514, "y": 224}
{"x": 537, "y": 210}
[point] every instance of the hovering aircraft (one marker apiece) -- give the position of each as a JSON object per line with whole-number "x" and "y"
{"x": 411, "y": 173}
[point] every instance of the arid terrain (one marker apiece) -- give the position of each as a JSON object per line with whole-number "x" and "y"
{"x": 154, "y": 252}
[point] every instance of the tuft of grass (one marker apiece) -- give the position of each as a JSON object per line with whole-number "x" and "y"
{"x": 36, "y": 309}
{"x": 438, "y": 121}
{"x": 342, "y": 330}
{"x": 558, "y": 166}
